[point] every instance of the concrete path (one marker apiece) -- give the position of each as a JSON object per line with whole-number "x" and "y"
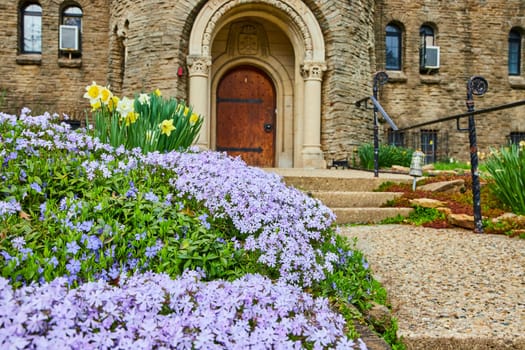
{"x": 452, "y": 288}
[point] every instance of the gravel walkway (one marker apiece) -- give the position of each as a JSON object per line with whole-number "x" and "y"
{"x": 449, "y": 289}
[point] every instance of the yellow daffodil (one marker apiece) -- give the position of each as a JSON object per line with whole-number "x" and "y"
{"x": 131, "y": 118}
{"x": 186, "y": 111}
{"x": 194, "y": 118}
{"x": 157, "y": 92}
{"x": 522, "y": 143}
{"x": 95, "y": 104}
{"x": 166, "y": 127}
{"x": 105, "y": 95}
{"x": 113, "y": 103}
{"x": 93, "y": 91}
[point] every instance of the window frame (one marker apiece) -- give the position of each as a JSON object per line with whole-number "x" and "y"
{"x": 429, "y": 144}
{"x": 25, "y": 14}
{"x": 514, "y": 57}
{"x": 63, "y": 17}
{"x": 394, "y": 43}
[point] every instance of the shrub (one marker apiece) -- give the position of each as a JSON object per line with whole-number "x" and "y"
{"x": 388, "y": 155}
{"x": 507, "y": 168}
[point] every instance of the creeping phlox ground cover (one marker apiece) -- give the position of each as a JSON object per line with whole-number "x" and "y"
{"x": 105, "y": 247}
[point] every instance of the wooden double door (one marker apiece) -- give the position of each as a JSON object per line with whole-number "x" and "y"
{"x": 246, "y": 116}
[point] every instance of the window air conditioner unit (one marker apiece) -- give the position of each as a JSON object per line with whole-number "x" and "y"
{"x": 68, "y": 38}
{"x": 431, "y": 59}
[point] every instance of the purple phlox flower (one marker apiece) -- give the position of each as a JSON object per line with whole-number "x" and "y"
{"x": 18, "y": 242}
{"x": 53, "y": 261}
{"x": 204, "y": 221}
{"x": 72, "y": 247}
{"x": 152, "y": 251}
{"x": 35, "y": 186}
{"x": 23, "y": 176}
{"x": 93, "y": 243}
{"x": 132, "y": 192}
{"x": 365, "y": 264}
{"x": 152, "y": 197}
{"x": 73, "y": 266}
{"x": 85, "y": 226}
{"x": 43, "y": 208}
{"x": 9, "y": 208}
{"x": 140, "y": 236}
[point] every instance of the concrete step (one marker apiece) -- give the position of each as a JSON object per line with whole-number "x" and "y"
{"x": 337, "y": 183}
{"x": 367, "y": 215}
{"x": 353, "y": 199}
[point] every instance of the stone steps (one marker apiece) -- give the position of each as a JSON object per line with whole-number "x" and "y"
{"x": 352, "y": 197}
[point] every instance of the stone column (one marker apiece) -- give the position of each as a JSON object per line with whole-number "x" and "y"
{"x": 312, "y": 155}
{"x": 199, "y": 69}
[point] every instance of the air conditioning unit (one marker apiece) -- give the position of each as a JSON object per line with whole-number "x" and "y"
{"x": 68, "y": 38}
{"x": 431, "y": 57}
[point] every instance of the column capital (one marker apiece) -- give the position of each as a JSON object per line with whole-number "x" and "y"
{"x": 198, "y": 65}
{"x": 313, "y": 70}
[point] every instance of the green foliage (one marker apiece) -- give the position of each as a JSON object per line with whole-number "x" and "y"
{"x": 507, "y": 169}
{"x": 148, "y": 121}
{"x": 388, "y": 155}
{"x": 419, "y": 216}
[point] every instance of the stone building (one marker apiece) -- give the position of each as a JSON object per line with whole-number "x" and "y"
{"x": 277, "y": 80}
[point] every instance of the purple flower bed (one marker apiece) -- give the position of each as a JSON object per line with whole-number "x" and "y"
{"x": 109, "y": 248}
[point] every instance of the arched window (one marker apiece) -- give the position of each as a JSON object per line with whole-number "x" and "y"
{"x": 31, "y": 29}
{"x": 71, "y": 31}
{"x": 514, "y": 52}
{"x": 393, "y": 47}
{"x": 428, "y": 51}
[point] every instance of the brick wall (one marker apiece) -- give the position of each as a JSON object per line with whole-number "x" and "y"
{"x": 473, "y": 40}
{"x": 45, "y": 82}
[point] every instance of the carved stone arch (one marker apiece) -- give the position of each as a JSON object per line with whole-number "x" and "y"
{"x": 299, "y": 15}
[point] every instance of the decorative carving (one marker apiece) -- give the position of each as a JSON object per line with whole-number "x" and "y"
{"x": 295, "y": 10}
{"x": 247, "y": 41}
{"x": 198, "y": 65}
{"x": 247, "y": 38}
{"x": 312, "y": 70}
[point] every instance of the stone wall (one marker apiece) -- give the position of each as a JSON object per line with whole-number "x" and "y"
{"x": 48, "y": 82}
{"x": 154, "y": 44}
{"x": 349, "y": 39}
{"x": 473, "y": 40}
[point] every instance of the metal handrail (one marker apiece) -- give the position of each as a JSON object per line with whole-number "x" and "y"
{"x": 466, "y": 114}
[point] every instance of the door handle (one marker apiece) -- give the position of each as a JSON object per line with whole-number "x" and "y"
{"x": 268, "y": 127}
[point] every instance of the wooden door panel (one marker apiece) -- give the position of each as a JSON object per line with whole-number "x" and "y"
{"x": 246, "y": 117}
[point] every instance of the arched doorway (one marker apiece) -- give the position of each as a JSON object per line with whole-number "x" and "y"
{"x": 283, "y": 38}
{"x": 246, "y": 116}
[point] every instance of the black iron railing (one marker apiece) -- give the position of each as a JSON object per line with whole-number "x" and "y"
{"x": 476, "y": 86}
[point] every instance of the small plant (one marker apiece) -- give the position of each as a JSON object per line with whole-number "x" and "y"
{"x": 388, "y": 155}
{"x": 507, "y": 167}
{"x": 148, "y": 121}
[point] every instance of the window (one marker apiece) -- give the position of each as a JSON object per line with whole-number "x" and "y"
{"x": 516, "y": 137}
{"x": 429, "y": 145}
{"x": 428, "y": 51}
{"x": 71, "y": 17}
{"x": 514, "y": 52}
{"x": 31, "y": 29}
{"x": 393, "y": 47}
{"x": 396, "y": 138}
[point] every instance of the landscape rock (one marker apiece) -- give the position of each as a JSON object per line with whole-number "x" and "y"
{"x": 380, "y": 316}
{"x": 462, "y": 220}
{"x": 427, "y": 203}
{"x": 444, "y": 186}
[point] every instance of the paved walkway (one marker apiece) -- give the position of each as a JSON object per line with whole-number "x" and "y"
{"x": 450, "y": 289}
